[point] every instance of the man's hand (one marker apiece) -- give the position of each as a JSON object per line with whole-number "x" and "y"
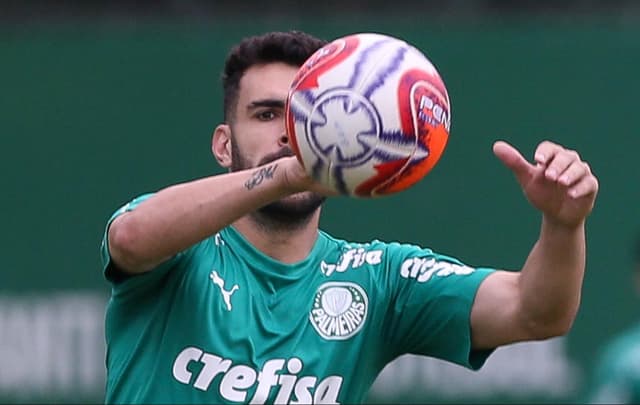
{"x": 297, "y": 179}
{"x": 559, "y": 184}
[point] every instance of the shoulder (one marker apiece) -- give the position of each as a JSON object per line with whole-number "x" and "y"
{"x": 130, "y": 205}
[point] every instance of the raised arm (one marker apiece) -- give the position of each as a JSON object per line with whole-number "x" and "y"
{"x": 542, "y": 299}
{"x": 180, "y": 215}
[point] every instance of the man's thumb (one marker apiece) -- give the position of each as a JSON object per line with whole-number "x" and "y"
{"x": 513, "y": 159}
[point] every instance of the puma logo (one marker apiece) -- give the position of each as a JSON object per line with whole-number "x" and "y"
{"x": 226, "y": 295}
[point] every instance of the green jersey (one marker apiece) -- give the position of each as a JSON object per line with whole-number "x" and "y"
{"x": 223, "y": 323}
{"x": 616, "y": 379}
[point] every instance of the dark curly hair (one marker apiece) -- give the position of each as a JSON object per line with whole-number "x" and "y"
{"x": 293, "y": 48}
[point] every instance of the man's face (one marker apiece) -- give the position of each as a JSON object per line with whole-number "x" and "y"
{"x": 259, "y": 136}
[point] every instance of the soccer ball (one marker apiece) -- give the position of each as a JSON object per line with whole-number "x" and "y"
{"x": 368, "y": 115}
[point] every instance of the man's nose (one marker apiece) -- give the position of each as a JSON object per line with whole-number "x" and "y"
{"x": 283, "y": 140}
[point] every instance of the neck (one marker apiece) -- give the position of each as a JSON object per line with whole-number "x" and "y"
{"x": 286, "y": 243}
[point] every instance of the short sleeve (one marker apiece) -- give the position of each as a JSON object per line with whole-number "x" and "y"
{"x": 149, "y": 280}
{"x": 431, "y": 306}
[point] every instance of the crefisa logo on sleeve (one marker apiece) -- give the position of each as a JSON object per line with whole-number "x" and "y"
{"x": 339, "y": 310}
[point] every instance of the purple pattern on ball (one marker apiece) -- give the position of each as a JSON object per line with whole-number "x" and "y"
{"x": 364, "y": 56}
{"x": 326, "y": 147}
{"x": 341, "y": 185}
{"x": 383, "y": 74}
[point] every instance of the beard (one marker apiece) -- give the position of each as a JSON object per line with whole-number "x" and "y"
{"x": 291, "y": 212}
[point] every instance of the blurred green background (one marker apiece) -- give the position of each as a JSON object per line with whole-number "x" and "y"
{"x": 95, "y": 110}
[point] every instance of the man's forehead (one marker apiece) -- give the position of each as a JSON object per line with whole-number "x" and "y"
{"x": 263, "y": 96}
{"x": 270, "y": 81}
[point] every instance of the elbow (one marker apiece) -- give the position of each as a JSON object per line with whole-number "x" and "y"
{"x": 124, "y": 245}
{"x": 550, "y": 326}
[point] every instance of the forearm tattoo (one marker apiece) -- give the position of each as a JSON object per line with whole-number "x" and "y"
{"x": 257, "y": 177}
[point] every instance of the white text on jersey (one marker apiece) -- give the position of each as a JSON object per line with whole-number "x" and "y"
{"x": 422, "y": 268}
{"x": 238, "y": 379}
{"x": 352, "y": 258}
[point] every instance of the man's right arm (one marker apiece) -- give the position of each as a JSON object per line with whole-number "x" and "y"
{"x": 181, "y": 215}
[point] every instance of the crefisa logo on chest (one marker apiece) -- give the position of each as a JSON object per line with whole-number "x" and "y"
{"x": 339, "y": 310}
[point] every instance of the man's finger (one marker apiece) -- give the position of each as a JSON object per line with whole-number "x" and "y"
{"x": 513, "y": 159}
{"x": 574, "y": 173}
{"x": 588, "y": 185}
{"x": 546, "y": 151}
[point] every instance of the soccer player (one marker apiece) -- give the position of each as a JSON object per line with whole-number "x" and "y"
{"x": 224, "y": 290}
{"x": 616, "y": 377}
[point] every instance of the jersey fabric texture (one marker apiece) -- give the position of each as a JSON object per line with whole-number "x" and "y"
{"x": 616, "y": 378}
{"x": 223, "y": 323}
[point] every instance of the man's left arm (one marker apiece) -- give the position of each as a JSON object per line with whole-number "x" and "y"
{"x": 542, "y": 299}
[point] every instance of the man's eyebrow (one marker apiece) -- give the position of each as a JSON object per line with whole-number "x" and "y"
{"x": 267, "y": 102}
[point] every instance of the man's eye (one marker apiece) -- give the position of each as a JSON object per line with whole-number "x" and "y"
{"x": 266, "y": 115}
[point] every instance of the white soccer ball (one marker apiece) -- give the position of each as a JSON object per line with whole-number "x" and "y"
{"x": 368, "y": 115}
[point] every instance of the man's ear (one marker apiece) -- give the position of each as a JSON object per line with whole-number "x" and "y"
{"x": 221, "y": 145}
